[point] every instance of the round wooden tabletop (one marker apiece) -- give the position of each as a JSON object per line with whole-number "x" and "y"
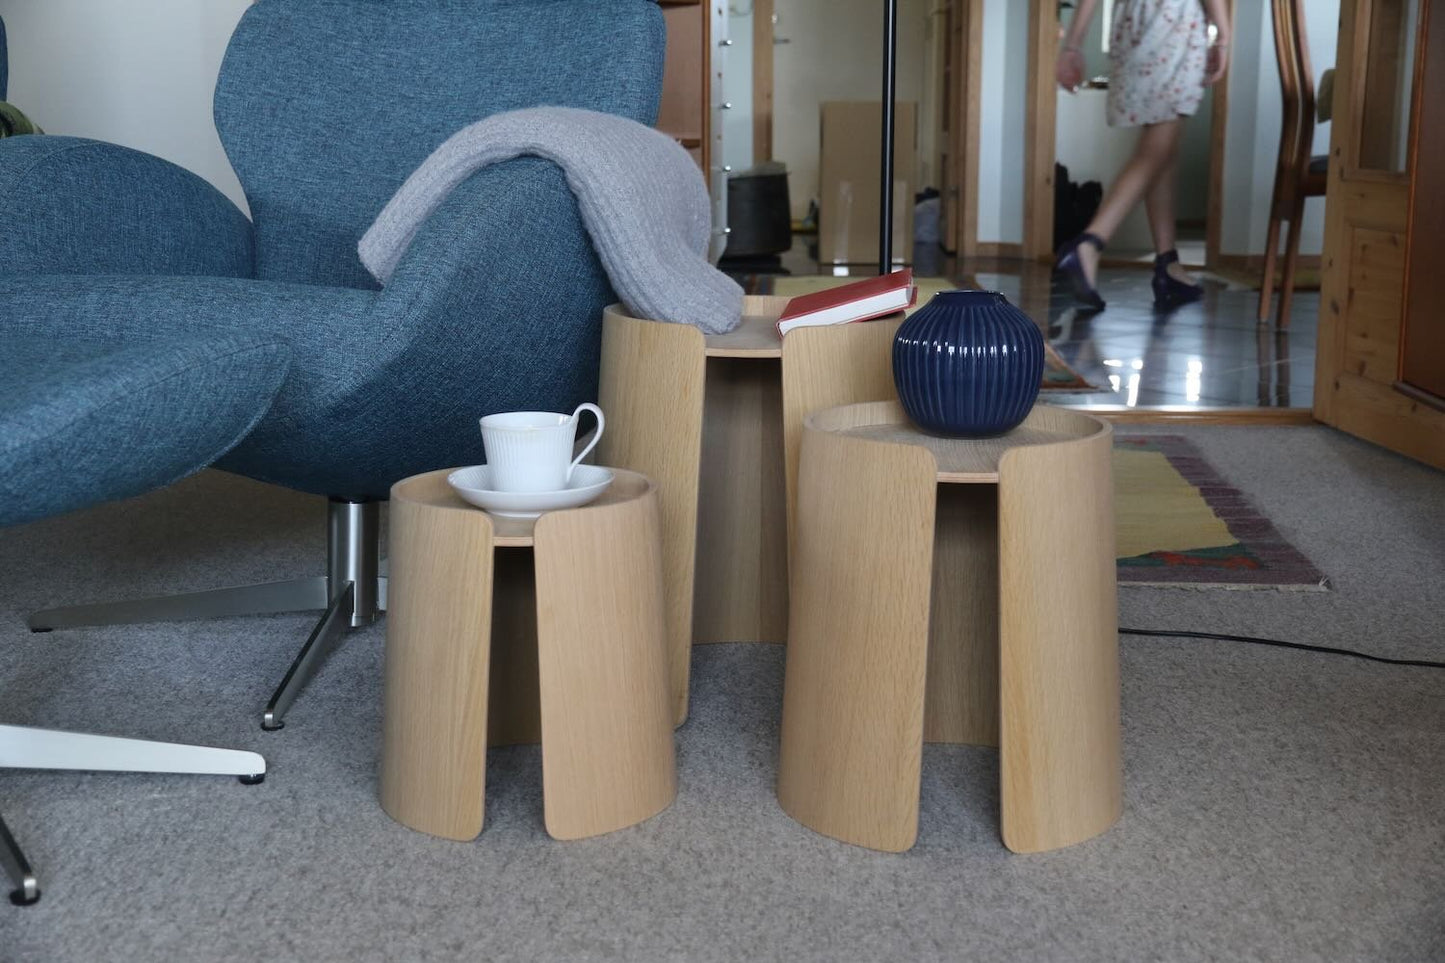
{"x": 960, "y": 460}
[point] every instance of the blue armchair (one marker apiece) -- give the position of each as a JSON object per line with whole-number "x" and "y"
{"x": 324, "y": 108}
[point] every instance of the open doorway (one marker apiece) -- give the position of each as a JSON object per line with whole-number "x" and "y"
{"x": 1072, "y": 128}
{"x": 1089, "y": 153}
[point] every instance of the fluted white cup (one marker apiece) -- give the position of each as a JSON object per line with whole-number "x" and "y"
{"x": 531, "y": 451}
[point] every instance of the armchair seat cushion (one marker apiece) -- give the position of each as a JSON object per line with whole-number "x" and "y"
{"x": 82, "y": 422}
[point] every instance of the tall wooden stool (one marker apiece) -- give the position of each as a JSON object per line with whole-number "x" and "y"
{"x": 504, "y": 630}
{"x": 716, "y": 421}
{"x": 958, "y": 591}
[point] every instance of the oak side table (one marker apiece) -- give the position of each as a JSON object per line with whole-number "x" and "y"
{"x": 716, "y": 421}
{"x": 504, "y": 630}
{"x": 958, "y": 591}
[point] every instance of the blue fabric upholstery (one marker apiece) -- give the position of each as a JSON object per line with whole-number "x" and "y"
{"x": 85, "y": 422}
{"x": 77, "y": 206}
{"x": 325, "y": 107}
{"x": 395, "y": 380}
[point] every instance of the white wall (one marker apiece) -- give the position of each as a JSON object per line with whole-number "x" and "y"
{"x": 1252, "y": 138}
{"x": 134, "y": 72}
{"x": 1003, "y": 113}
{"x": 834, "y": 52}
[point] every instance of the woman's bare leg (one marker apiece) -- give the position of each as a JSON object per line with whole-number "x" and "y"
{"x": 1159, "y": 205}
{"x": 1157, "y": 150}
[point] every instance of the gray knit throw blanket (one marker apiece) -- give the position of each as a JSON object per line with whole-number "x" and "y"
{"x": 641, "y": 196}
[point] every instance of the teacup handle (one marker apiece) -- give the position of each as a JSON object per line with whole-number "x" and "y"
{"x": 601, "y": 423}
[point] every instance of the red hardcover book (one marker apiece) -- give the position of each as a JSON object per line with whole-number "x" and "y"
{"x": 860, "y": 301}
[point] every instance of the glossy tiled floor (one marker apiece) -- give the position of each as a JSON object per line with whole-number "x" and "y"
{"x": 1211, "y": 354}
{"x": 1204, "y": 355}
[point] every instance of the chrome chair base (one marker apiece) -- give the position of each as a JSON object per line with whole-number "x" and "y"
{"x": 27, "y": 747}
{"x": 12, "y": 859}
{"x": 351, "y": 594}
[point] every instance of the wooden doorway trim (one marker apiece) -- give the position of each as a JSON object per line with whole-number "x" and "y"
{"x": 1040, "y": 152}
{"x": 762, "y": 80}
{"x": 1214, "y": 216}
{"x": 966, "y": 80}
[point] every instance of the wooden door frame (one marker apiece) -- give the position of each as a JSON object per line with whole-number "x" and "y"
{"x": 965, "y": 97}
{"x": 762, "y": 80}
{"x": 1040, "y": 151}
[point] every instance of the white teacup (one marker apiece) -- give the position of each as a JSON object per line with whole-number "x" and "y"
{"x": 531, "y": 451}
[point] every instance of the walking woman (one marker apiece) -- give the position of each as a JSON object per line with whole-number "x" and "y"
{"x": 1161, "y": 60}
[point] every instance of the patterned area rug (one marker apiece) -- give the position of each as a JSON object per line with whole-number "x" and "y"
{"x": 1058, "y": 376}
{"x": 1180, "y": 524}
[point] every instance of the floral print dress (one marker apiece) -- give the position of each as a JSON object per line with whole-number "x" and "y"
{"x": 1157, "y": 51}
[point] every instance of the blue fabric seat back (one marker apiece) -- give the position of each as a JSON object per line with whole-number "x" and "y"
{"x": 326, "y": 106}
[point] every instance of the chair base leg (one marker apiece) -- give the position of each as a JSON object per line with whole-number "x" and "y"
{"x": 352, "y": 594}
{"x": 26, "y": 747}
{"x": 12, "y": 858}
{"x": 323, "y": 639}
{"x": 292, "y": 595}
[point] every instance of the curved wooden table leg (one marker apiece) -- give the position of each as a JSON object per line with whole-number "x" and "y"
{"x": 652, "y": 391}
{"x": 852, "y": 739}
{"x": 438, "y": 626}
{"x": 1060, "y": 761}
{"x": 826, "y": 366}
{"x": 607, "y": 749}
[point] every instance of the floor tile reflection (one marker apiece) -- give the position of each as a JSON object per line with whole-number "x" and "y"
{"x": 1212, "y": 354}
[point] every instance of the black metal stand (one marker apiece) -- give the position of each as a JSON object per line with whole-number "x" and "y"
{"x": 885, "y": 188}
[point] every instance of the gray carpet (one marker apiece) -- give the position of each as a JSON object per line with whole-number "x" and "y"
{"x": 1278, "y": 805}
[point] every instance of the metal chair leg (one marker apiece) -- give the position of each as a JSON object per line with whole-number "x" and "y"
{"x": 292, "y": 595}
{"x": 323, "y": 639}
{"x": 352, "y": 594}
{"x": 12, "y": 858}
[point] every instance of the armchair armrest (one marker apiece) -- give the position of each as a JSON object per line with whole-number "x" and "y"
{"x": 77, "y": 206}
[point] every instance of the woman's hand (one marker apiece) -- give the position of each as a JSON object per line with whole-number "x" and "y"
{"x": 1069, "y": 71}
{"x": 1216, "y": 61}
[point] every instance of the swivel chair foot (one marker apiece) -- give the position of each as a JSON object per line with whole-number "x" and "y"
{"x": 12, "y": 859}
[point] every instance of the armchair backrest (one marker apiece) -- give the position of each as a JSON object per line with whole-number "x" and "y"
{"x": 325, "y": 107}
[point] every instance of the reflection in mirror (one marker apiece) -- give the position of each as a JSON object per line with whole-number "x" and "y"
{"x": 1389, "y": 83}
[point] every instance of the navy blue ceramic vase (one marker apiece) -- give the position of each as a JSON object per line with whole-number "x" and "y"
{"x": 968, "y": 364}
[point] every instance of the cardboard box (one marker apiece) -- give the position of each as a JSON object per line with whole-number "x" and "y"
{"x": 848, "y": 176}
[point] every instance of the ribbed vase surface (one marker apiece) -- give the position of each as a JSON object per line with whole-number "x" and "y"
{"x": 968, "y": 364}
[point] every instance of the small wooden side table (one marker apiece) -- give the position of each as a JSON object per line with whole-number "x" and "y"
{"x": 504, "y": 630}
{"x": 958, "y": 591}
{"x": 717, "y": 421}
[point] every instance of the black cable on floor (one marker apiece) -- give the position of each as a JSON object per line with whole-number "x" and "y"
{"x": 1254, "y": 640}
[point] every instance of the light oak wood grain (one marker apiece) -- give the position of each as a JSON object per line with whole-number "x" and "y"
{"x": 852, "y": 729}
{"x": 514, "y": 707}
{"x": 828, "y": 366}
{"x": 1011, "y": 617}
{"x": 742, "y": 548}
{"x": 574, "y": 652}
{"x": 962, "y": 700}
{"x": 438, "y": 624}
{"x": 607, "y": 752}
{"x": 755, "y": 389}
{"x": 651, "y": 389}
{"x": 756, "y": 336}
{"x": 1060, "y": 762}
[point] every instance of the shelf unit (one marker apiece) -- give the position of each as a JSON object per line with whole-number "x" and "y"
{"x": 692, "y": 102}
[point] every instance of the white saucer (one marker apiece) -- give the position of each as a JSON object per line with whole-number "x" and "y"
{"x": 473, "y": 485}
